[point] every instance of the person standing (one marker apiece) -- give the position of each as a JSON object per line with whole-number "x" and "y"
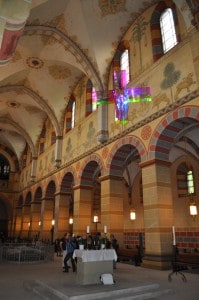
{"x": 115, "y": 246}
{"x": 63, "y": 248}
{"x": 70, "y": 247}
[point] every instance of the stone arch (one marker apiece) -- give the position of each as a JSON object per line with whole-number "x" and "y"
{"x": 38, "y": 195}
{"x": 28, "y": 198}
{"x": 50, "y": 189}
{"x": 11, "y": 157}
{"x": 168, "y": 129}
{"x": 20, "y": 201}
{"x": 67, "y": 182}
{"x": 156, "y": 37}
{"x": 85, "y": 173}
{"x": 114, "y": 163}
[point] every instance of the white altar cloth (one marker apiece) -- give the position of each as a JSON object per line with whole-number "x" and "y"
{"x": 95, "y": 255}
{"x": 91, "y": 264}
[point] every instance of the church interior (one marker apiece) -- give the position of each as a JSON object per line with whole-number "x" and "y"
{"x": 99, "y": 122}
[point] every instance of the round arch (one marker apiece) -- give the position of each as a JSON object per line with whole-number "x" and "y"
{"x": 168, "y": 130}
{"x": 121, "y": 150}
{"x": 96, "y": 161}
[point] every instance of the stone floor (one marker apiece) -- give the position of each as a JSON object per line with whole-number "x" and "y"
{"x": 47, "y": 281}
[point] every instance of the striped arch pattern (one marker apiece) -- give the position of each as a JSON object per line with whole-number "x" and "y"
{"x": 67, "y": 183}
{"x": 116, "y": 61}
{"x": 69, "y": 114}
{"x": 20, "y": 201}
{"x": 28, "y": 198}
{"x": 50, "y": 190}
{"x": 156, "y": 36}
{"x": 38, "y": 195}
{"x": 128, "y": 140}
{"x": 89, "y": 167}
{"x": 89, "y": 99}
{"x": 167, "y": 130}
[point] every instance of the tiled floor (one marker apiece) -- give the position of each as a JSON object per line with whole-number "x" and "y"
{"x": 34, "y": 281}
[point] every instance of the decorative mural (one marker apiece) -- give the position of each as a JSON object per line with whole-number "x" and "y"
{"x": 146, "y": 132}
{"x": 91, "y": 131}
{"x": 109, "y": 7}
{"x": 170, "y": 78}
{"x": 138, "y": 31}
{"x": 69, "y": 146}
{"x": 59, "y": 72}
{"x": 186, "y": 83}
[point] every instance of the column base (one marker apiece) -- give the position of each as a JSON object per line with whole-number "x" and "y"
{"x": 157, "y": 262}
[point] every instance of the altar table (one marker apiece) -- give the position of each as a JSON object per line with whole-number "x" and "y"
{"x": 91, "y": 264}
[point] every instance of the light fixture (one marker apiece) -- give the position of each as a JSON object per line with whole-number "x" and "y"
{"x": 70, "y": 220}
{"x": 95, "y": 219}
{"x": 39, "y": 223}
{"x": 132, "y": 214}
{"x": 193, "y": 210}
{"x": 53, "y": 222}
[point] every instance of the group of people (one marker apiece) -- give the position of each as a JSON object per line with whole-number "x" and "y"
{"x": 66, "y": 246}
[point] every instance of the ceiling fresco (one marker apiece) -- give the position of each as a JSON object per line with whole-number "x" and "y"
{"x": 46, "y": 47}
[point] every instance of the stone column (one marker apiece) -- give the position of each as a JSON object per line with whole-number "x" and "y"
{"x": 61, "y": 214}
{"x": 102, "y": 134}
{"x": 112, "y": 207}
{"x": 25, "y": 230}
{"x": 158, "y": 214}
{"x": 58, "y": 151}
{"x": 35, "y": 218}
{"x": 47, "y": 215}
{"x": 18, "y": 222}
{"x": 33, "y": 169}
{"x": 82, "y": 209}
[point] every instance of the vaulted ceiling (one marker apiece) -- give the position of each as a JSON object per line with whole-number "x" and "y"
{"x": 46, "y": 47}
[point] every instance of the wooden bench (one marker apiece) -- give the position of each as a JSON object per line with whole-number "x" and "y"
{"x": 130, "y": 254}
{"x": 182, "y": 262}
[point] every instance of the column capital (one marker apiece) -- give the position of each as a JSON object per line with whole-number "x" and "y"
{"x": 110, "y": 176}
{"x": 155, "y": 162}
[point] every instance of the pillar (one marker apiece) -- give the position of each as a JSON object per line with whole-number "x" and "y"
{"x": 61, "y": 214}
{"x": 18, "y": 222}
{"x": 47, "y": 215}
{"x": 25, "y": 230}
{"x": 158, "y": 214}
{"x": 102, "y": 134}
{"x": 35, "y": 218}
{"x": 82, "y": 209}
{"x": 112, "y": 207}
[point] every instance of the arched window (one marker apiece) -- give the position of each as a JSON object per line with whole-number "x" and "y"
{"x": 70, "y": 114}
{"x": 165, "y": 31}
{"x": 4, "y": 168}
{"x": 94, "y": 99}
{"x": 168, "y": 32}
{"x": 190, "y": 182}
{"x": 185, "y": 180}
{"x": 73, "y": 115}
{"x": 124, "y": 64}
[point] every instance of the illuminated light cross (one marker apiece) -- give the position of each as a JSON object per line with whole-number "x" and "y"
{"x": 122, "y": 95}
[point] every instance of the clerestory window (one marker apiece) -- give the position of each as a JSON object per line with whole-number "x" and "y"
{"x": 168, "y": 32}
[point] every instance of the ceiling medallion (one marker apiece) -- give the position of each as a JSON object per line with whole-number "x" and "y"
{"x": 13, "y": 104}
{"x": 34, "y": 62}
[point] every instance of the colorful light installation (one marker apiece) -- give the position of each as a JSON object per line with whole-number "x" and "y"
{"x": 122, "y": 95}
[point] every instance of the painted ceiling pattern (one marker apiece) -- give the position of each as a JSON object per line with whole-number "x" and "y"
{"x": 46, "y": 47}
